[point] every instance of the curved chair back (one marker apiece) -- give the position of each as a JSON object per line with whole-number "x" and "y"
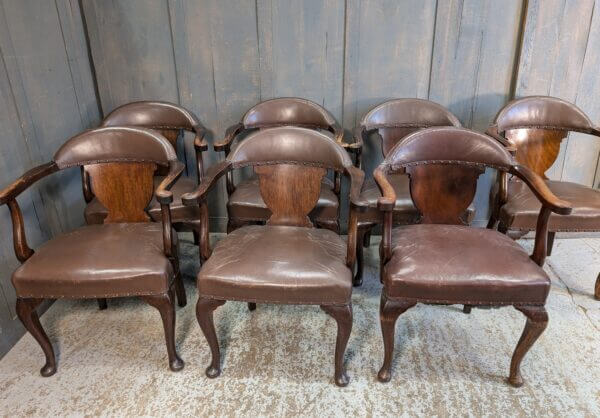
{"x": 536, "y": 125}
{"x": 120, "y": 163}
{"x": 395, "y": 119}
{"x": 290, "y": 163}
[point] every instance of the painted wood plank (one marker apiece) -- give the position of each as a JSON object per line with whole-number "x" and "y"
{"x": 301, "y": 46}
{"x": 552, "y": 54}
{"x": 132, "y": 51}
{"x": 583, "y": 151}
{"x": 474, "y": 54}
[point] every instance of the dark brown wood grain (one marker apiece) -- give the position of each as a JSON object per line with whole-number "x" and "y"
{"x": 22, "y": 250}
{"x": 536, "y": 148}
{"x": 343, "y": 316}
{"x": 443, "y": 193}
{"x": 29, "y": 317}
{"x": 290, "y": 191}
{"x": 124, "y": 189}
{"x": 537, "y": 320}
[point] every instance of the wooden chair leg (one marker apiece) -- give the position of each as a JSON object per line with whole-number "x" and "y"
{"x": 343, "y": 316}
{"x": 367, "y": 239}
{"x": 467, "y": 309}
{"x": 537, "y": 320}
{"x": 102, "y": 304}
{"x": 360, "y": 262}
{"x": 29, "y": 317}
{"x": 196, "y": 237}
{"x": 550, "y": 243}
{"x": 597, "y": 288}
{"x": 389, "y": 311}
{"x": 178, "y": 282}
{"x": 503, "y": 229}
{"x": 165, "y": 304}
{"x": 204, "y": 313}
{"x": 251, "y": 306}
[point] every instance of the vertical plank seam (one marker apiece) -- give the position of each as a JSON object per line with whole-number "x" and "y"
{"x": 518, "y": 51}
{"x": 91, "y": 60}
{"x": 435, "y": 15}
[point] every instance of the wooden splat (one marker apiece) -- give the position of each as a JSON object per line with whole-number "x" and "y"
{"x": 171, "y": 135}
{"x": 124, "y": 189}
{"x": 442, "y": 193}
{"x": 536, "y": 148}
{"x": 391, "y": 136}
{"x": 290, "y": 192}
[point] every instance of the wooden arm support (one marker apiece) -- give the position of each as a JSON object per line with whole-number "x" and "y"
{"x": 550, "y": 203}
{"x": 357, "y": 177}
{"x": 230, "y": 134}
{"x": 386, "y": 204}
{"x": 493, "y": 132}
{"x": 9, "y": 195}
{"x": 200, "y": 145}
{"x": 164, "y": 196}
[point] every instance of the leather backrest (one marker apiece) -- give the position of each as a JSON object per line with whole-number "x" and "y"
{"x": 443, "y": 165}
{"x": 115, "y": 144}
{"x": 542, "y": 112}
{"x": 288, "y": 111}
{"x": 290, "y": 144}
{"x": 395, "y": 119}
{"x": 152, "y": 114}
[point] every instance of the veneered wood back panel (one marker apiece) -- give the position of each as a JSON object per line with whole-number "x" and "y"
{"x": 536, "y": 148}
{"x": 290, "y": 192}
{"x": 391, "y": 136}
{"x": 442, "y": 193}
{"x": 124, "y": 189}
{"x": 171, "y": 135}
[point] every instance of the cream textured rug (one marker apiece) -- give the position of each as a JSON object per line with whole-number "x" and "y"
{"x": 278, "y": 360}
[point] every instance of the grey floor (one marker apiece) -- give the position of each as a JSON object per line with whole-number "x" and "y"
{"x": 278, "y": 360}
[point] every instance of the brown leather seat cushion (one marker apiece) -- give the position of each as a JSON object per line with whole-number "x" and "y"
{"x": 461, "y": 264}
{"x": 278, "y": 264}
{"x": 97, "y": 261}
{"x": 246, "y": 202}
{"x": 404, "y": 210}
{"x": 522, "y": 208}
{"x": 95, "y": 212}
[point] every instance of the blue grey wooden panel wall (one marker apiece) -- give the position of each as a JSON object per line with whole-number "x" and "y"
{"x": 46, "y": 95}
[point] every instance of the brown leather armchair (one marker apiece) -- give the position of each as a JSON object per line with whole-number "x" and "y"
{"x": 391, "y": 121}
{"x": 245, "y": 204}
{"x": 533, "y": 129}
{"x": 126, "y": 255}
{"x": 442, "y": 261}
{"x": 286, "y": 261}
{"x": 170, "y": 120}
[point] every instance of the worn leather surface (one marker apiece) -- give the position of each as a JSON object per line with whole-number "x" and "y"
{"x": 542, "y": 112}
{"x": 404, "y": 210}
{"x": 95, "y": 212}
{"x": 443, "y": 144}
{"x": 287, "y": 111}
{"x": 98, "y": 261}
{"x": 278, "y": 264}
{"x": 151, "y": 114}
{"x": 246, "y": 202}
{"x": 460, "y": 264}
{"x": 290, "y": 144}
{"x": 115, "y": 144}
{"x": 522, "y": 207}
{"x": 409, "y": 112}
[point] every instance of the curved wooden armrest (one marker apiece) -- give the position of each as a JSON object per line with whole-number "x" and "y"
{"x": 387, "y": 201}
{"x": 163, "y": 191}
{"x": 357, "y": 178}
{"x": 230, "y": 134}
{"x": 210, "y": 179}
{"x": 539, "y": 187}
{"x": 493, "y": 132}
{"x": 200, "y": 143}
{"x": 22, "y": 183}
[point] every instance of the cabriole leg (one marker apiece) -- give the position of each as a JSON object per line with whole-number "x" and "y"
{"x": 165, "y": 304}
{"x": 389, "y": 310}
{"x": 537, "y": 320}
{"x": 343, "y": 316}
{"x": 29, "y": 317}
{"x": 204, "y": 313}
{"x": 357, "y": 281}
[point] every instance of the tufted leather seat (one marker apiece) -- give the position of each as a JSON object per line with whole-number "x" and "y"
{"x": 246, "y": 203}
{"x": 278, "y": 264}
{"x": 459, "y": 264}
{"x": 122, "y": 259}
{"x": 95, "y": 212}
{"x": 522, "y": 207}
